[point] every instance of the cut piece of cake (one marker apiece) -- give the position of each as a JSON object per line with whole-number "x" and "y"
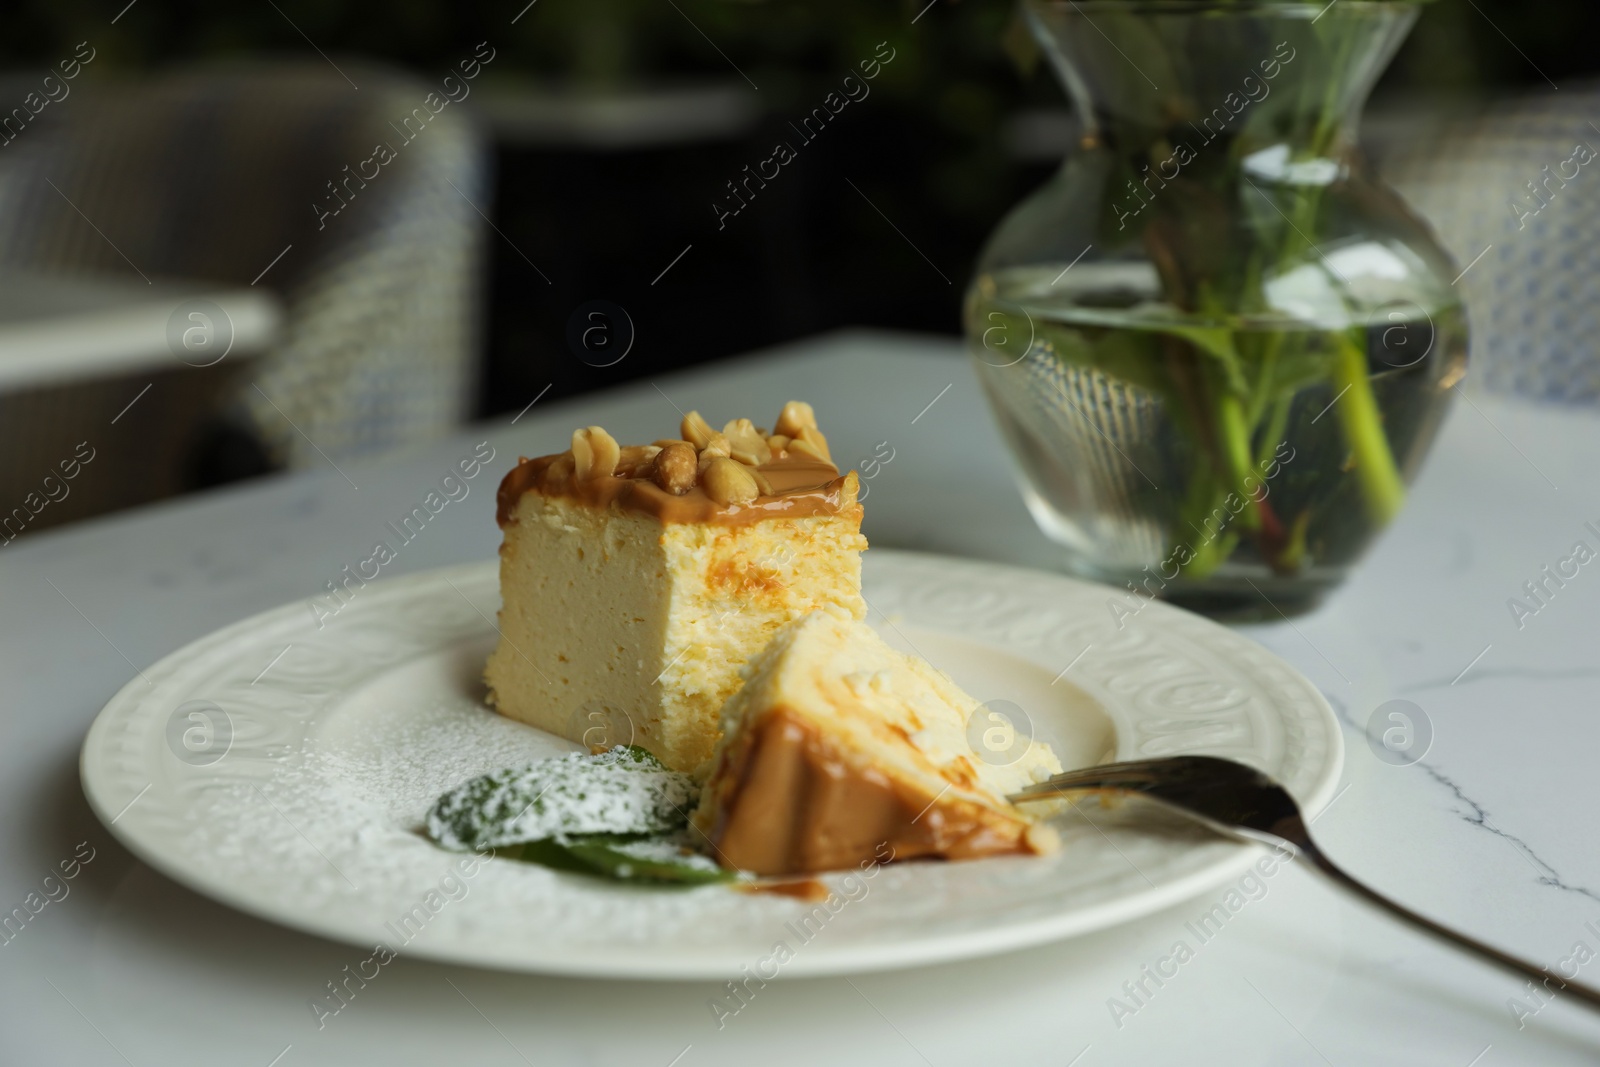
{"x": 635, "y": 582}
{"x": 840, "y": 751}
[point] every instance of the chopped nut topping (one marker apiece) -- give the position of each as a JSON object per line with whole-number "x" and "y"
{"x": 812, "y": 436}
{"x": 797, "y": 415}
{"x": 675, "y": 468}
{"x": 800, "y": 446}
{"x": 635, "y": 461}
{"x": 745, "y": 444}
{"x": 594, "y": 454}
{"x": 717, "y": 446}
{"x": 726, "y": 465}
{"x": 696, "y": 430}
{"x": 729, "y": 482}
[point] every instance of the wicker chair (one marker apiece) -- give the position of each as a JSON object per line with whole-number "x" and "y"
{"x": 1489, "y": 178}
{"x": 239, "y": 174}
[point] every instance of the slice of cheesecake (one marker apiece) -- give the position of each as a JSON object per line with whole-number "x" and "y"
{"x": 840, "y": 751}
{"x": 635, "y": 582}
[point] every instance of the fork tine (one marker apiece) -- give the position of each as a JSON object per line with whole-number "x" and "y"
{"x": 1140, "y": 776}
{"x": 1126, "y": 775}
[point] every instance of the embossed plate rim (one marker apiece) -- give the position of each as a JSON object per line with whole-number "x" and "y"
{"x": 120, "y": 755}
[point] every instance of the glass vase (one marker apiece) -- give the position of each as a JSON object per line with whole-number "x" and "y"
{"x": 1218, "y": 349}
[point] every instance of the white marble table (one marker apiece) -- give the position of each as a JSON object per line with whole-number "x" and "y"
{"x": 1494, "y": 830}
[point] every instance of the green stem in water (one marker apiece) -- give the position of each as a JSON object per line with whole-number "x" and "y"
{"x": 1277, "y": 422}
{"x": 1211, "y": 555}
{"x": 1231, "y": 469}
{"x": 1233, "y": 434}
{"x": 1382, "y": 488}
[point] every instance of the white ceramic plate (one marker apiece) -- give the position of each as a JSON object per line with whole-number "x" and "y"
{"x": 284, "y": 768}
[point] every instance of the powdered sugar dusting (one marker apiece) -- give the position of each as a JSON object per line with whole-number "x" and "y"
{"x": 337, "y": 826}
{"x": 404, "y": 762}
{"x": 623, "y": 791}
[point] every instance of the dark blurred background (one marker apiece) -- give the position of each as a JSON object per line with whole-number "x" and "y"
{"x": 590, "y": 152}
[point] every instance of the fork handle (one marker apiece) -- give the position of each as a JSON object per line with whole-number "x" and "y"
{"x": 1541, "y": 976}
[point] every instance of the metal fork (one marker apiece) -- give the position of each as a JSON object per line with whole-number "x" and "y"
{"x": 1242, "y": 803}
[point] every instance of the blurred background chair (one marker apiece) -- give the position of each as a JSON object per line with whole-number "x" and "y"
{"x": 185, "y": 156}
{"x": 249, "y": 176}
{"x": 1489, "y": 176}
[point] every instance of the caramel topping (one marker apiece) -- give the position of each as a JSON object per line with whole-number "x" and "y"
{"x": 706, "y": 477}
{"x": 785, "y": 802}
{"x": 800, "y": 487}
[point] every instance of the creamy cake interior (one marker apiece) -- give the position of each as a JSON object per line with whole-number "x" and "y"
{"x": 838, "y": 747}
